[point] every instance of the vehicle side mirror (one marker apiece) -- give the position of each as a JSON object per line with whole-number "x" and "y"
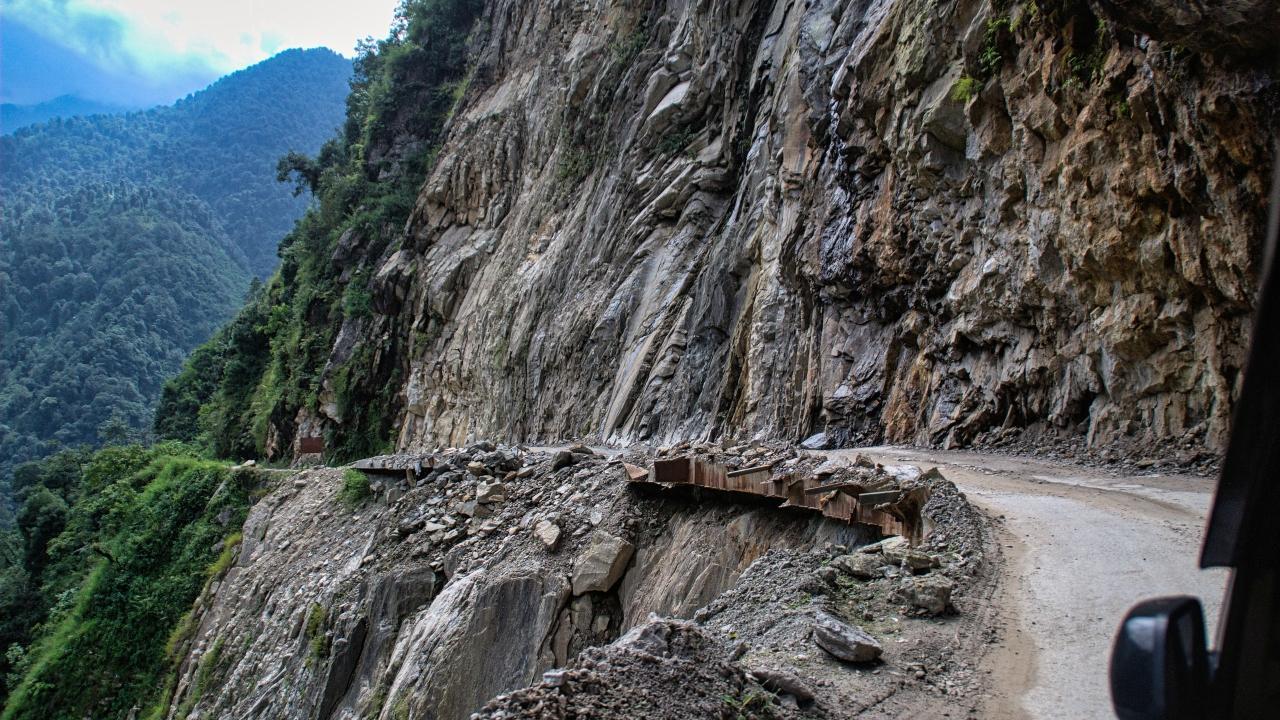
{"x": 1160, "y": 664}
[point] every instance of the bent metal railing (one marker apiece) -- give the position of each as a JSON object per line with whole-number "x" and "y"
{"x": 893, "y": 511}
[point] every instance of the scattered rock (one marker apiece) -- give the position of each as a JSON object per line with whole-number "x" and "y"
{"x": 409, "y": 527}
{"x": 931, "y": 593}
{"x": 491, "y": 492}
{"x": 562, "y": 459}
{"x": 815, "y": 442}
{"x": 897, "y": 551}
{"x": 844, "y": 641}
{"x": 780, "y": 681}
{"x": 635, "y": 472}
{"x": 601, "y": 564}
{"x": 915, "y": 560}
{"x": 477, "y": 468}
{"x": 828, "y": 468}
{"x": 548, "y": 533}
{"x": 891, "y": 543}
{"x": 859, "y": 565}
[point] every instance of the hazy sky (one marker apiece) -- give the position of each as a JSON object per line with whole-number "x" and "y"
{"x": 143, "y": 52}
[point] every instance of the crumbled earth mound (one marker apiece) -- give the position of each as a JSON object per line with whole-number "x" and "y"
{"x": 767, "y": 663}
{"x": 662, "y": 669}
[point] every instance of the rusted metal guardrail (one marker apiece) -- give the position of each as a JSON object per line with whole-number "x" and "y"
{"x": 894, "y": 511}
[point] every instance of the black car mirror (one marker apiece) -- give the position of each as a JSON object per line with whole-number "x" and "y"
{"x": 1160, "y": 664}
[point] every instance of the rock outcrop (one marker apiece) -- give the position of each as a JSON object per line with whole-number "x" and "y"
{"x": 932, "y": 222}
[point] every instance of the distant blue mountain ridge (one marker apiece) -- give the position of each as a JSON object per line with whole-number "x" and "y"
{"x": 14, "y": 117}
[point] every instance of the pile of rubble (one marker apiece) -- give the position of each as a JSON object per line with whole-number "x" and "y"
{"x": 461, "y": 505}
{"x": 780, "y": 639}
{"x": 661, "y": 669}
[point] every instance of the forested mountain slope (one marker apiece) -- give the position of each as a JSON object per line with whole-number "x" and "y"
{"x": 125, "y": 240}
{"x": 14, "y": 117}
{"x": 220, "y": 145}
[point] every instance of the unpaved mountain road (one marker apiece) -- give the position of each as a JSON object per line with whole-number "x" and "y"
{"x": 1081, "y": 545}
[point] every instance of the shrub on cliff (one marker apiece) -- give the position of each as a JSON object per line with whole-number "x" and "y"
{"x": 141, "y": 530}
{"x": 273, "y": 356}
{"x": 355, "y": 487}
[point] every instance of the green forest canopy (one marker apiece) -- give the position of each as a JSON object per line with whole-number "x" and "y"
{"x": 110, "y": 550}
{"x": 126, "y": 240}
{"x": 94, "y": 529}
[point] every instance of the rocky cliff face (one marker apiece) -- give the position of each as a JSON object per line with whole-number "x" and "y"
{"x": 933, "y": 222}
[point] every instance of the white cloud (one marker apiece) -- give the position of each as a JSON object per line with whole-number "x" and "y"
{"x": 155, "y": 37}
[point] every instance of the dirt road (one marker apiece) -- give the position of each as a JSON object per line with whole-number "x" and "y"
{"x": 1081, "y": 546}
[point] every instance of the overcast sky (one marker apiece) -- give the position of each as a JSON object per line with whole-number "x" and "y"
{"x": 143, "y": 52}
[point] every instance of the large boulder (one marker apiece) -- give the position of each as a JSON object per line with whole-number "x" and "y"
{"x": 860, "y": 565}
{"x": 930, "y": 593}
{"x": 601, "y": 565}
{"x": 897, "y": 551}
{"x": 843, "y": 641}
{"x": 548, "y": 533}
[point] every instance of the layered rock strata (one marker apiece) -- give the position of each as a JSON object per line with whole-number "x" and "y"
{"x": 903, "y": 220}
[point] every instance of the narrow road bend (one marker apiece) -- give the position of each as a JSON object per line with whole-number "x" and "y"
{"x": 1081, "y": 545}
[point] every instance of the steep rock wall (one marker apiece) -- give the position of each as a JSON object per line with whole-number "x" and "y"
{"x": 935, "y": 222}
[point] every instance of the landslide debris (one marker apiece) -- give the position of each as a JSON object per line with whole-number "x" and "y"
{"x": 473, "y": 572}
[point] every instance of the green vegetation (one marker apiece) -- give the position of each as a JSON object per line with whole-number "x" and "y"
{"x": 355, "y": 487}
{"x": 218, "y": 145}
{"x": 107, "y": 550}
{"x": 625, "y": 49}
{"x": 318, "y": 639}
{"x": 1085, "y": 64}
{"x": 118, "y": 545}
{"x": 575, "y": 163}
{"x": 965, "y": 89}
{"x": 748, "y": 705}
{"x": 994, "y": 41}
{"x": 378, "y": 701}
{"x": 270, "y": 362}
{"x": 1087, "y": 38}
{"x": 204, "y": 673}
{"x": 110, "y": 287}
{"x": 128, "y": 239}
{"x": 675, "y": 141}
{"x": 228, "y": 556}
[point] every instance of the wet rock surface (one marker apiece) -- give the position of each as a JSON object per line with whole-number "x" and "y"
{"x": 961, "y": 223}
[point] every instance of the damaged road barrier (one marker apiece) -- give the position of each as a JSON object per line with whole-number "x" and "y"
{"x": 893, "y": 508}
